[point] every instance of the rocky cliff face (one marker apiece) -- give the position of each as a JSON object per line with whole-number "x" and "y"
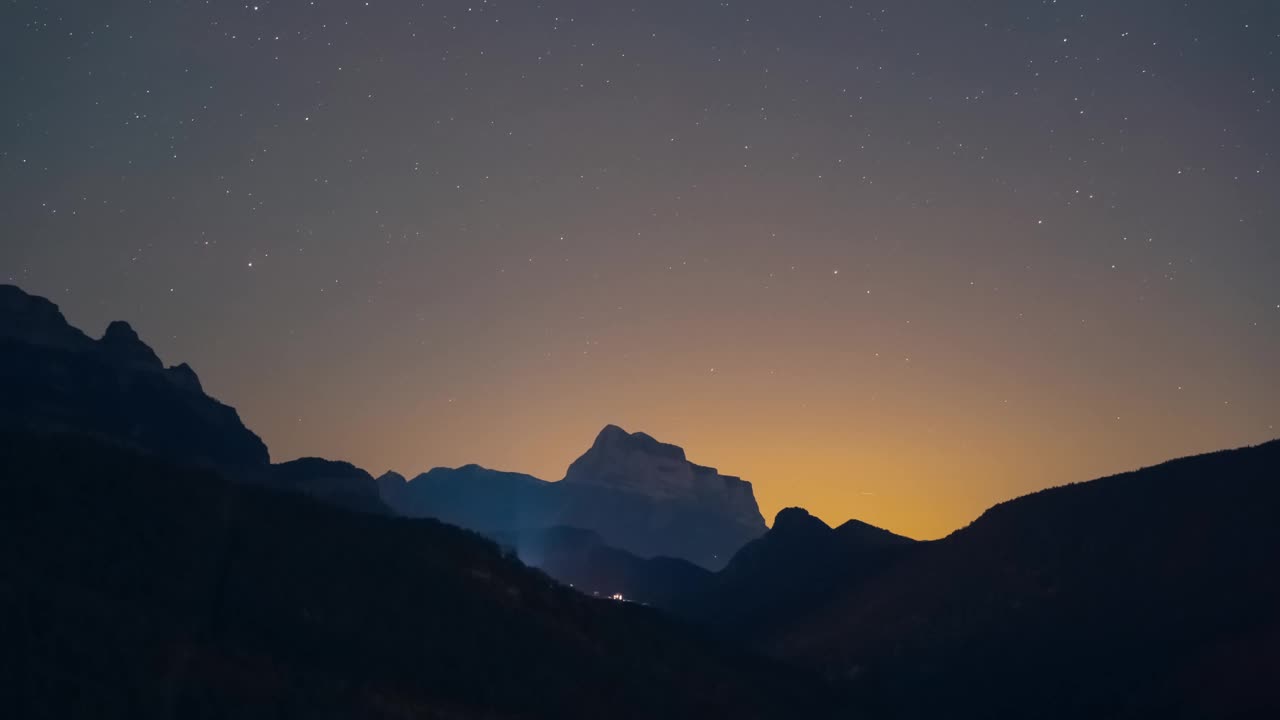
{"x": 640, "y": 495}
{"x": 33, "y": 320}
{"x": 646, "y": 497}
{"x": 53, "y": 377}
{"x": 637, "y": 463}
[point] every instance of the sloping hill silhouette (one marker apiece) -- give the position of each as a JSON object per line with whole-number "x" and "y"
{"x": 789, "y": 571}
{"x": 133, "y": 587}
{"x": 54, "y": 378}
{"x": 1148, "y": 594}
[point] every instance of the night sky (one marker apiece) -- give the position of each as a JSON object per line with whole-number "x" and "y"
{"x": 895, "y": 261}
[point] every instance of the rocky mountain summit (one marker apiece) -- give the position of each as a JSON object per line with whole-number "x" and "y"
{"x": 638, "y": 494}
{"x": 637, "y": 463}
{"x": 55, "y": 378}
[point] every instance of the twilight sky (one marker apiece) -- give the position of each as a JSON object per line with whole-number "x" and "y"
{"x": 895, "y": 261}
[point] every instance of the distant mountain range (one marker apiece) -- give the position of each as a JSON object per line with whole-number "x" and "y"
{"x": 582, "y": 560}
{"x": 635, "y": 493}
{"x": 638, "y": 494}
{"x": 155, "y": 563}
{"x": 134, "y": 587}
{"x": 149, "y": 586}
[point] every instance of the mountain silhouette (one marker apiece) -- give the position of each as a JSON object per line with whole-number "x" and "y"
{"x": 1148, "y": 594}
{"x": 639, "y": 495}
{"x": 644, "y": 496}
{"x": 769, "y": 580}
{"x": 789, "y": 571}
{"x": 581, "y": 559}
{"x": 155, "y": 563}
{"x": 53, "y": 377}
{"x": 134, "y": 587}
{"x": 473, "y": 497}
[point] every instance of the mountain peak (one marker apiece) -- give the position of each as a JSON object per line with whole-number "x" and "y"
{"x": 797, "y": 519}
{"x": 52, "y": 374}
{"x": 638, "y": 494}
{"x": 637, "y": 463}
{"x": 391, "y": 476}
{"x": 120, "y": 331}
{"x": 615, "y": 438}
{"x": 184, "y": 377}
{"x": 866, "y": 535}
{"x": 124, "y": 346}
{"x": 610, "y": 431}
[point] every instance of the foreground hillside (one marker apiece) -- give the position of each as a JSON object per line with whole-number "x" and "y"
{"x": 1150, "y": 594}
{"x": 788, "y": 573}
{"x": 130, "y": 587}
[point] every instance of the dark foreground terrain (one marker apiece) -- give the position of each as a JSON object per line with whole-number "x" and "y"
{"x": 155, "y": 563}
{"x": 1155, "y": 593}
{"x": 135, "y": 588}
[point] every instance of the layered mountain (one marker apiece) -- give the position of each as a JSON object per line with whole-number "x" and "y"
{"x": 639, "y": 464}
{"x": 133, "y": 587}
{"x": 54, "y": 377}
{"x": 769, "y": 580}
{"x": 790, "y": 570}
{"x": 646, "y": 497}
{"x": 581, "y": 559}
{"x": 333, "y": 481}
{"x": 1148, "y": 594}
{"x": 473, "y": 497}
{"x": 639, "y": 495}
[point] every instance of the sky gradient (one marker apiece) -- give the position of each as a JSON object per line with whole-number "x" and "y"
{"x": 892, "y": 261}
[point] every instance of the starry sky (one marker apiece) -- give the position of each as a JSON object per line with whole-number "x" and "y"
{"x": 895, "y": 261}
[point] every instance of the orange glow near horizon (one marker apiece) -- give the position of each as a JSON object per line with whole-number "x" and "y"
{"x": 892, "y": 393}
{"x": 894, "y": 265}
{"x": 921, "y": 452}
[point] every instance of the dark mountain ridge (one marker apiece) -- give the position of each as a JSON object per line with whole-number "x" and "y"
{"x": 134, "y": 587}
{"x": 768, "y": 581}
{"x": 333, "y": 481}
{"x": 133, "y": 572}
{"x": 474, "y": 497}
{"x": 1151, "y": 593}
{"x": 55, "y": 378}
{"x": 788, "y": 571}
